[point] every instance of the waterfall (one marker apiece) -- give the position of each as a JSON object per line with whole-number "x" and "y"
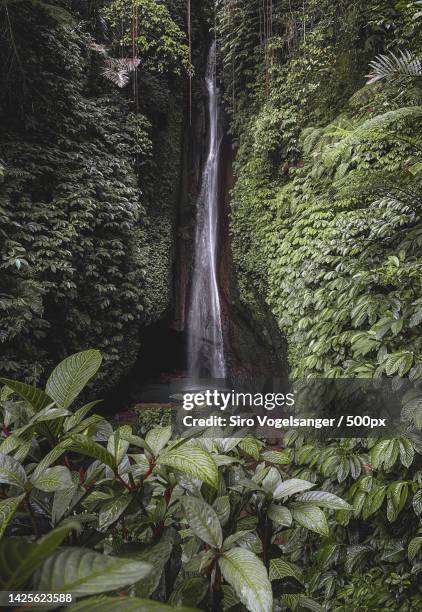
{"x": 205, "y": 336}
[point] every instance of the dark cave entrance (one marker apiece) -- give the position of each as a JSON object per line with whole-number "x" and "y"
{"x": 161, "y": 363}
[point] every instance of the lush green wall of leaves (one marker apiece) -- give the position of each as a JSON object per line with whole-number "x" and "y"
{"x": 88, "y": 196}
{"x": 326, "y": 225}
{"x": 325, "y": 212}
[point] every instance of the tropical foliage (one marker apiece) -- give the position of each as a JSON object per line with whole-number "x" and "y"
{"x": 323, "y": 105}
{"x": 89, "y": 179}
{"x": 325, "y": 225}
{"x": 88, "y": 509}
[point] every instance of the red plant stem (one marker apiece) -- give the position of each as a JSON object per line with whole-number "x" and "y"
{"x": 148, "y": 474}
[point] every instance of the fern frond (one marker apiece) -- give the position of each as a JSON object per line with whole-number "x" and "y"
{"x": 379, "y": 128}
{"x": 118, "y": 70}
{"x": 394, "y": 67}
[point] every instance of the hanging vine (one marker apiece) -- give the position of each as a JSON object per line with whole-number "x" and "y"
{"x": 266, "y": 32}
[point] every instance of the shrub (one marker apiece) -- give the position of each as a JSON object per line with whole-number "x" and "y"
{"x": 195, "y": 521}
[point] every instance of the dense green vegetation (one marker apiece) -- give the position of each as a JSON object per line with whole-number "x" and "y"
{"x": 323, "y": 105}
{"x": 328, "y": 186}
{"x": 326, "y": 233}
{"x": 90, "y": 178}
{"x": 192, "y": 520}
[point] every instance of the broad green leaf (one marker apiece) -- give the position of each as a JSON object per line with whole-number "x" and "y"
{"x": 123, "y": 604}
{"x": 374, "y": 501}
{"x": 382, "y": 453}
{"x": 19, "y": 557}
{"x": 280, "y": 515}
{"x": 37, "y": 422}
{"x": 35, "y": 397}
{"x": 230, "y": 598}
{"x": 112, "y": 510}
{"x": 49, "y": 414}
{"x": 246, "y": 573}
{"x": 396, "y": 499}
{"x": 193, "y": 461}
{"x": 11, "y": 472}
{"x": 71, "y": 375}
{"x": 10, "y": 443}
{"x": 222, "y": 507}
{"x": 136, "y": 440}
{"x": 280, "y": 569}
{"x": 64, "y": 500}
{"x": 406, "y": 452}
{"x": 244, "y": 539}
{"x": 8, "y": 508}
{"x": 53, "y": 479}
{"x": 221, "y": 460}
{"x": 117, "y": 446}
{"x": 189, "y": 592}
{"x": 79, "y": 443}
{"x": 417, "y": 502}
{"x": 203, "y": 521}
{"x": 324, "y": 500}
{"x": 51, "y": 457}
{"x": 251, "y": 447}
{"x": 327, "y": 555}
{"x": 200, "y": 562}
{"x": 310, "y": 517}
{"x": 84, "y": 572}
{"x": 354, "y": 554}
{"x": 414, "y": 547}
{"x": 290, "y": 487}
{"x": 233, "y": 539}
{"x": 157, "y": 556}
{"x": 271, "y": 480}
{"x": 276, "y": 457}
{"x": 157, "y": 439}
{"x": 78, "y": 416}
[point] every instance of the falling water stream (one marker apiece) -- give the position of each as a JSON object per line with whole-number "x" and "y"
{"x": 205, "y": 335}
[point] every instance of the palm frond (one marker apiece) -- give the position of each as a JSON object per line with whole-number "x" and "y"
{"x": 118, "y": 70}
{"x": 394, "y": 67}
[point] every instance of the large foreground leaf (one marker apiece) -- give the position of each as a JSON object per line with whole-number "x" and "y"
{"x": 203, "y": 521}
{"x": 290, "y": 487}
{"x": 57, "y": 478}
{"x": 280, "y": 569}
{"x": 83, "y": 572}
{"x": 19, "y": 557}
{"x": 157, "y": 438}
{"x": 71, "y": 375}
{"x": 280, "y": 515}
{"x": 123, "y": 604}
{"x": 193, "y": 461}
{"x": 324, "y": 500}
{"x": 246, "y": 573}
{"x": 310, "y": 517}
